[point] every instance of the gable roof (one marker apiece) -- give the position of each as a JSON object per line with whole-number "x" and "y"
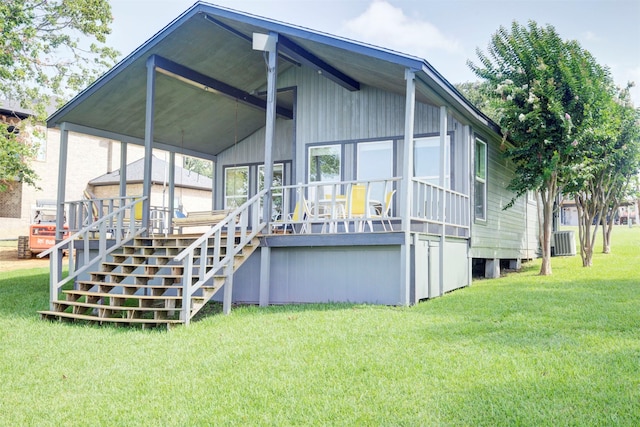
{"x": 135, "y": 174}
{"x": 213, "y": 44}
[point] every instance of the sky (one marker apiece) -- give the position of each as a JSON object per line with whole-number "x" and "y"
{"x": 444, "y": 32}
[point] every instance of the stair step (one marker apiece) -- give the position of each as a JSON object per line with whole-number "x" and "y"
{"x": 112, "y": 307}
{"x": 55, "y": 315}
{"x": 141, "y": 261}
{"x": 141, "y": 286}
{"x": 127, "y": 285}
{"x": 125, "y": 296}
{"x": 141, "y": 275}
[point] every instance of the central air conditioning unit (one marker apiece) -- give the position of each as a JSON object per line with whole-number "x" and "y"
{"x": 564, "y": 243}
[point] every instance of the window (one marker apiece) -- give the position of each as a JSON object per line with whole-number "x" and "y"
{"x": 276, "y": 194}
{"x": 426, "y": 160}
{"x": 236, "y": 186}
{"x": 481, "y": 181}
{"x": 324, "y": 166}
{"x": 375, "y": 161}
{"x": 40, "y": 143}
{"x": 324, "y": 163}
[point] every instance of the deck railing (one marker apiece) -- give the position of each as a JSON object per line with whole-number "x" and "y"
{"x": 114, "y": 226}
{"x": 83, "y": 212}
{"x": 216, "y": 256}
{"x": 335, "y": 207}
{"x": 440, "y": 207}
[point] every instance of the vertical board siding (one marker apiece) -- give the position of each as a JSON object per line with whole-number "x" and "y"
{"x": 324, "y": 274}
{"x": 507, "y": 232}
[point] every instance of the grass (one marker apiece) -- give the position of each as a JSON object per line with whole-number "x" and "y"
{"x": 519, "y": 350}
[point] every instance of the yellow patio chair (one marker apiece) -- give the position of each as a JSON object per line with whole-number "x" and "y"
{"x": 386, "y": 210}
{"x": 299, "y": 215}
{"x": 358, "y": 206}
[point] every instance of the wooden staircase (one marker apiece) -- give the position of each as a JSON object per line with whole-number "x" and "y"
{"x": 141, "y": 284}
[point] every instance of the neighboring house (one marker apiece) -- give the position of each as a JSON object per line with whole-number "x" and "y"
{"x": 17, "y": 203}
{"x": 192, "y": 190}
{"x": 568, "y": 212}
{"x": 341, "y": 124}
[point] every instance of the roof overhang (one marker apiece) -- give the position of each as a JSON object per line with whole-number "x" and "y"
{"x": 209, "y": 90}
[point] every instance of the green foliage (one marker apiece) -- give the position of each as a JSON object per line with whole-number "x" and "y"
{"x": 477, "y": 93}
{"x": 202, "y": 167}
{"x": 551, "y": 98}
{"x": 50, "y": 50}
{"x": 15, "y": 157}
{"x": 519, "y": 350}
{"x": 535, "y": 80}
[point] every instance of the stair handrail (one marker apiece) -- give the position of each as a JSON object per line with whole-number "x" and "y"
{"x": 231, "y": 227}
{"x": 56, "y": 281}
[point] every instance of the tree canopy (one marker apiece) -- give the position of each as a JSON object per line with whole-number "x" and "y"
{"x": 548, "y": 96}
{"x": 49, "y": 50}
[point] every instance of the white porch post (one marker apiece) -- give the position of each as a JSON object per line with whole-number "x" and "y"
{"x": 406, "y": 188}
{"x": 172, "y": 192}
{"x": 123, "y": 169}
{"x": 56, "y": 271}
{"x": 468, "y": 174}
{"x": 62, "y": 180}
{"x": 148, "y": 140}
{"x": 213, "y": 185}
{"x": 268, "y": 44}
{"x": 444, "y": 168}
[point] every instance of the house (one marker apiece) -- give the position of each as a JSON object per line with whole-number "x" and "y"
{"x": 349, "y": 172}
{"x": 192, "y": 190}
{"x": 18, "y": 203}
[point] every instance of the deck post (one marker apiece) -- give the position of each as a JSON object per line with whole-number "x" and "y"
{"x": 265, "y": 273}
{"x": 271, "y": 48}
{"x": 406, "y": 187}
{"x": 123, "y": 169}
{"x": 444, "y": 169}
{"x": 56, "y": 259}
{"x": 148, "y": 140}
{"x": 227, "y": 298}
{"x": 172, "y": 193}
{"x": 469, "y": 174}
{"x": 62, "y": 180}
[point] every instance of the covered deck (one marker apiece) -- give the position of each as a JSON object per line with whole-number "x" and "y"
{"x": 176, "y": 94}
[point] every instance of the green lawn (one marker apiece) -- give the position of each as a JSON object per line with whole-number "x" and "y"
{"x": 520, "y": 350}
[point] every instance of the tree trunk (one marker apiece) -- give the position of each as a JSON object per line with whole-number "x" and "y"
{"x": 548, "y": 197}
{"x": 606, "y": 236}
{"x": 588, "y": 211}
{"x": 607, "y": 227}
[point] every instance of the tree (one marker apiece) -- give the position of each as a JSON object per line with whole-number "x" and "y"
{"x": 536, "y": 81}
{"x": 13, "y": 154}
{"x": 49, "y": 50}
{"x": 477, "y": 93}
{"x": 624, "y": 166}
{"x": 200, "y": 166}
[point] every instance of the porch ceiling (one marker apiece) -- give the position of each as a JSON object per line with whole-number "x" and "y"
{"x": 216, "y": 42}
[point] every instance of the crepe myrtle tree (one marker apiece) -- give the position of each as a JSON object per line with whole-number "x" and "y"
{"x": 535, "y": 80}
{"x": 601, "y": 160}
{"x": 49, "y": 50}
{"x": 619, "y": 183}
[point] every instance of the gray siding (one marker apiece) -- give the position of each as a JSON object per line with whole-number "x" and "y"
{"x": 506, "y": 234}
{"x": 324, "y": 274}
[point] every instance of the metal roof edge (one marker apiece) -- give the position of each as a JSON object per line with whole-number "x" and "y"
{"x": 455, "y": 94}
